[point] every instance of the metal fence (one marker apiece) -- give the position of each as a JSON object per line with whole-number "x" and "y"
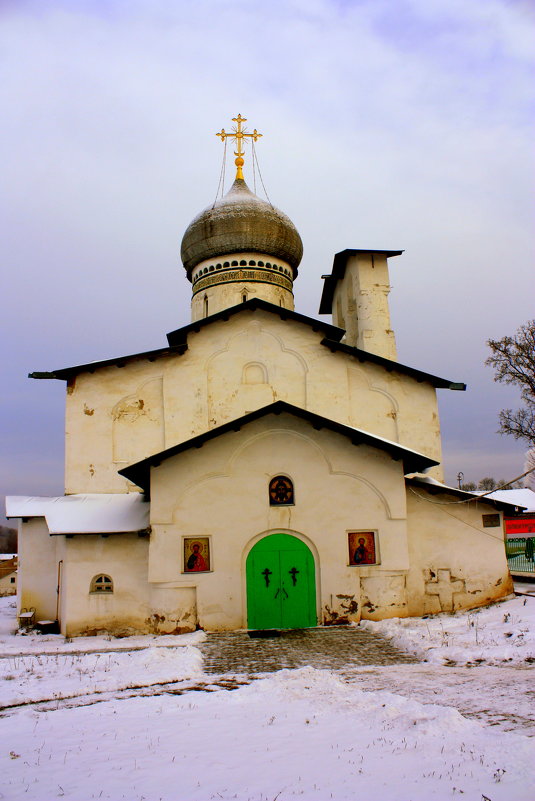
{"x": 520, "y": 552}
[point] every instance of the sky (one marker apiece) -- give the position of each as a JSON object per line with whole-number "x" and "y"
{"x": 385, "y": 125}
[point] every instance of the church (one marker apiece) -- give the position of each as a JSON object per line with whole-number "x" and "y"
{"x": 262, "y": 470}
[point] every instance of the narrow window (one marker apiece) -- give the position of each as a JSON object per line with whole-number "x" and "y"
{"x": 281, "y": 491}
{"x": 101, "y": 583}
{"x": 206, "y": 305}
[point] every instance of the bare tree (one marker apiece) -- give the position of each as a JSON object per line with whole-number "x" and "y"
{"x": 529, "y": 464}
{"x": 513, "y": 360}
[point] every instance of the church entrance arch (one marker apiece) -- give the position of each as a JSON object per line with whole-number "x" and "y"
{"x": 281, "y": 584}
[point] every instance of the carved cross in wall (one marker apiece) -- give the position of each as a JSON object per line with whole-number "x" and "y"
{"x": 445, "y": 587}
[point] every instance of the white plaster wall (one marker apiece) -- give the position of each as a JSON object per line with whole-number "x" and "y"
{"x": 123, "y": 414}
{"x": 114, "y": 416}
{"x": 221, "y": 491}
{"x": 38, "y": 569}
{"x": 447, "y": 536}
{"x": 123, "y": 557}
{"x": 360, "y": 304}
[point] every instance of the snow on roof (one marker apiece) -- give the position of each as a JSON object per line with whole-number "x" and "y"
{"x": 501, "y": 498}
{"x": 519, "y": 497}
{"x": 395, "y": 444}
{"x": 84, "y": 513}
{"x": 428, "y": 480}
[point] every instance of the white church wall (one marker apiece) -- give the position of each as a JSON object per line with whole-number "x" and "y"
{"x": 37, "y": 569}
{"x": 220, "y": 492}
{"x": 456, "y": 562}
{"x": 114, "y": 416}
{"x": 123, "y": 414}
{"x": 122, "y": 557}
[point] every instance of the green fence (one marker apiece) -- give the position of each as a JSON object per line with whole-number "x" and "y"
{"x": 520, "y": 554}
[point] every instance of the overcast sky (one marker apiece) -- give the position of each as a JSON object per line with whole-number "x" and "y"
{"x": 389, "y": 124}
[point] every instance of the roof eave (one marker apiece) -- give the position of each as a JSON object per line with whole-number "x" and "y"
{"x": 436, "y": 489}
{"x": 180, "y": 335}
{"x": 139, "y": 472}
{"x": 64, "y": 373}
{"x": 392, "y": 366}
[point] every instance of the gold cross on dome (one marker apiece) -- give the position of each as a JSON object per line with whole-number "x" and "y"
{"x": 238, "y": 134}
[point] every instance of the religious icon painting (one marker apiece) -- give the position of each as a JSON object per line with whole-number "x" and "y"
{"x": 281, "y": 491}
{"x": 362, "y": 547}
{"x": 196, "y": 554}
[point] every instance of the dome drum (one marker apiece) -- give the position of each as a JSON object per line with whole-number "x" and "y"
{"x": 243, "y": 267}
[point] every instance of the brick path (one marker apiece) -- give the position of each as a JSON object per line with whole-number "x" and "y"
{"x": 338, "y": 648}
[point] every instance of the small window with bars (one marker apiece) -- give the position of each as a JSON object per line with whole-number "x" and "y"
{"x": 101, "y": 584}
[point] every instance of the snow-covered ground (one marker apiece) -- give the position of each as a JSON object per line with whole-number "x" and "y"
{"x": 500, "y": 634}
{"x": 296, "y": 734}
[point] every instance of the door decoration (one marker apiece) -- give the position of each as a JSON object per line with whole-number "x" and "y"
{"x": 281, "y": 584}
{"x": 196, "y": 555}
{"x": 362, "y": 548}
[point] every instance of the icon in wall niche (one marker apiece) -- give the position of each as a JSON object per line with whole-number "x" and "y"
{"x": 362, "y": 547}
{"x": 196, "y": 554}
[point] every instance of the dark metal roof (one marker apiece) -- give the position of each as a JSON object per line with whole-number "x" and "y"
{"x": 441, "y": 489}
{"x": 178, "y": 344}
{"x": 391, "y": 366}
{"x": 120, "y": 361}
{"x": 139, "y": 473}
{"x": 180, "y": 336}
{"x": 339, "y": 268}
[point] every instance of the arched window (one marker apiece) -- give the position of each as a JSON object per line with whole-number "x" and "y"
{"x": 281, "y": 491}
{"x": 101, "y": 583}
{"x": 205, "y": 305}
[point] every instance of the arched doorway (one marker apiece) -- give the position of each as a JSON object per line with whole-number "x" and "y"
{"x": 281, "y": 584}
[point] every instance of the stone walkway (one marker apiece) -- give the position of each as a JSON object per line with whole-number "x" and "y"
{"x": 496, "y": 696}
{"x": 337, "y": 648}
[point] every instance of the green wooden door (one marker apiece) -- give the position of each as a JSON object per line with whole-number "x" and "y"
{"x": 281, "y": 584}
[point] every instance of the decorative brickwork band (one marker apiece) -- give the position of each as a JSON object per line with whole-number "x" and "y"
{"x": 234, "y": 276}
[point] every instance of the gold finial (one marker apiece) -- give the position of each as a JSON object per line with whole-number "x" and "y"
{"x": 238, "y": 135}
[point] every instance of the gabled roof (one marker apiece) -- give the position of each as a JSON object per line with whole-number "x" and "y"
{"x": 434, "y": 487}
{"x": 120, "y": 361}
{"x": 180, "y": 336}
{"x": 178, "y": 344}
{"x": 178, "y": 339}
{"x": 139, "y": 473}
{"x": 339, "y": 268}
{"x": 391, "y": 366}
{"x": 87, "y": 513}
